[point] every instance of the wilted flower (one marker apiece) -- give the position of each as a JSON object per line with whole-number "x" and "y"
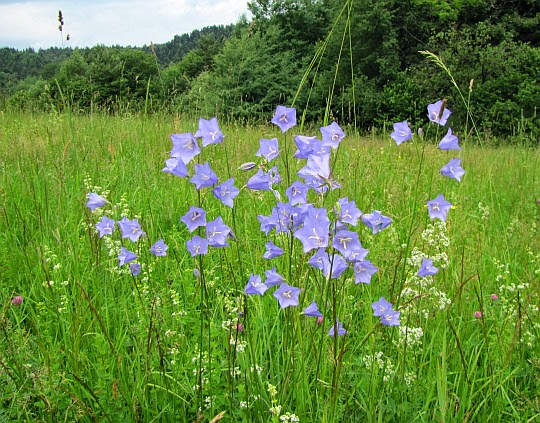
{"x": 159, "y": 248}
{"x": 332, "y": 135}
{"x": 176, "y": 167}
{"x": 130, "y": 229}
{"x": 204, "y": 176}
{"x": 209, "y": 132}
{"x": 438, "y": 113}
{"x": 312, "y": 310}
{"x": 125, "y": 256}
{"x": 438, "y": 208}
{"x": 17, "y": 301}
{"x": 287, "y": 295}
{"x": 185, "y": 147}
{"x": 255, "y": 286}
{"x": 105, "y": 226}
{"x": 247, "y": 166}
{"x": 402, "y": 132}
{"x": 340, "y": 330}
{"x": 453, "y": 169}
{"x": 449, "y": 141}
{"x": 226, "y": 192}
{"x": 197, "y": 246}
{"x": 284, "y": 117}
{"x": 427, "y": 268}
{"x": 95, "y": 201}
{"x": 194, "y": 218}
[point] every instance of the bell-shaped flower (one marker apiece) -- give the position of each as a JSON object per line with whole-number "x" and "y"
{"x": 297, "y": 193}
{"x": 438, "y": 113}
{"x": 438, "y": 208}
{"x": 209, "y": 132}
{"x": 185, "y": 147}
{"x": 347, "y": 211}
{"x": 135, "y": 269}
{"x": 402, "y": 132}
{"x": 197, "y": 246}
{"x": 130, "y": 229}
{"x": 314, "y": 234}
{"x": 453, "y": 169}
{"x": 159, "y": 249}
{"x": 449, "y": 141}
{"x": 312, "y": 310}
{"x": 340, "y": 330}
{"x": 332, "y": 135}
{"x": 427, "y": 268}
{"x": 381, "y": 307}
{"x": 125, "y": 256}
{"x": 176, "y": 167}
{"x": 194, "y": 218}
{"x": 226, "y": 192}
{"x": 273, "y": 278}
{"x": 376, "y": 221}
{"x": 287, "y": 295}
{"x": 272, "y": 251}
{"x": 345, "y": 242}
{"x": 391, "y": 318}
{"x": 105, "y": 226}
{"x": 217, "y": 233}
{"x": 255, "y": 286}
{"x": 363, "y": 271}
{"x": 95, "y": 201}
{"x": 204, "y": 176}
{"x": 268, "y": 149}
{"x": 285, "y": 118}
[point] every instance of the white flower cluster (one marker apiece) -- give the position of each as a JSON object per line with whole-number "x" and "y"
{"x": 436, "y": 235}
{"x": 409, "y": 337}
{"x": 484, "y": 211}
{"x": 379, "y": 361}
{"x": 289, "y": 417}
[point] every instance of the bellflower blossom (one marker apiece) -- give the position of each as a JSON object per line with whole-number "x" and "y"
{"x": 95, "y": 201}
{"x": 176, "y": 167}
{"x": 204, "y": 176}
{"x": 345, "y": 241}
{"x": 130, "y": 229}
{"x": 226, "y": 192}
{"x": 381, "y": 307}
{"x": 185, "y": 147}
{"x": 105, "y": 226}
{"x": 449, "y": 142}
{"x": 287, "y": 295}
{"x": 268, "y": 149}
{"x": 363, "y": 270}
{"x": 314, "y": 234}
{"x": 297, "y": 193}
{"x": 217, "y": 233}
{"x": 159, "y": 249}
{"x": 438, "y": 208}
{"x": 272, "y": 251}
{"x": 332, "y": 135}
{"x": 402, "y": 132}
{"x": 305, "y": 146}
{"x": 348, "y": 212}
{"x": 135, "y": 269}
{"x": 273, "y": 278}
{"x": 255, "y": 286}
{"x": 197, "y": 246}
{"x": 209, "y": 132}
{"x": 125, "y": 256}
{"x": 194, "y": 218}
{"x": 376, "y": 221}
{"x": 263, "y": 181}
{"x": 453, "y": 169}
{"x": 340, "y": 330}
{"x": 391, "y": 318}
{"x": 312, "y": 310}
{"x": 437, "y": 113}
{"x": 284, "y": 117}
{"x": 427, "y": 268}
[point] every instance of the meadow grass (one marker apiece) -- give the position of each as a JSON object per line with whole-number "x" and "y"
{"x": 90, "y": 342}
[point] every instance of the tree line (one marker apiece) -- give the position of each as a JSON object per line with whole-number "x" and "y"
{"x": 356, "y": 61}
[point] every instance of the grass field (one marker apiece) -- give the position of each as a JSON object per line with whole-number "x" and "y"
{"x": 92, "y": 342}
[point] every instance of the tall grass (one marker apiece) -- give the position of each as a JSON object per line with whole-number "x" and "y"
{"x": 90, "y": 343}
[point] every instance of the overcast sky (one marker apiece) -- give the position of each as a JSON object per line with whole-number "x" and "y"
{"x": 124, "y": 22}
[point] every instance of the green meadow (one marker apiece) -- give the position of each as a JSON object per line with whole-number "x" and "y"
{"x": 91, "y": 342}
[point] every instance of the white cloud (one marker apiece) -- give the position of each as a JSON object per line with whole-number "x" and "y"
{"x": 123, "y": 22}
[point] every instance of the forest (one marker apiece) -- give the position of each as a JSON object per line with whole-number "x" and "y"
{"x": 354, "y": 61}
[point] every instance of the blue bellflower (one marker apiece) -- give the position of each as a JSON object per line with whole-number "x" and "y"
{"x": 437, "y": 113}
{"x": 194, "y": 218}
{"x": 272, "y": 251}
{"x": 268, "y": 149}
{"x": 226, "y": 192}
{"x": 363, "y": 271}
{"x": 105, "y": 226}
{"x": 381, "y": 307}
{"x": 332, "y": 135}
{"x": 312, "y": 310}
{"x": 255, "y": 286}
{"x": 314, "y": 234}
{"x": 376, "y": 221}
{"x": 348, "y": 212}
{"x": 340, "y": 330}
{"x": 427, "y": 268}
{"x": 438, "y": 208}
{"x": 287, "y": 295}
{"x": 209, "y": 132}
{"x": 204, "y": 176}
{"x": 453, "y": 169}
{"x": 449, "y": 142}
{"x": 217, "y": 233}
{"x": 297, "y": 193}
{"x": 95, "y": 201}
{"x": 197, "y": 246}
{"x": 285, "y": 118}
{"x": 125, "y": 256}
{"x": 185, "y": 147}
{"x": 159, "y": 249}
{"x": 130, "y": 229}
{"x": 402, "y": 132}
{"x": 273, "y": 278}
{"x": 135, "y": 269}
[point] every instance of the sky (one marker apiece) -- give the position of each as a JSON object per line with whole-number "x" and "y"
{"x": 124, "y": 22}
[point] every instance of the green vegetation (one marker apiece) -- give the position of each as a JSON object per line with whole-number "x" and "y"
{"x": 366, "y": 69}
{"x": 92, "y": 343}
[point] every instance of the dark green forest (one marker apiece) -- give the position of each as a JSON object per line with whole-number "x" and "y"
{"x": 355, "y": 61}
